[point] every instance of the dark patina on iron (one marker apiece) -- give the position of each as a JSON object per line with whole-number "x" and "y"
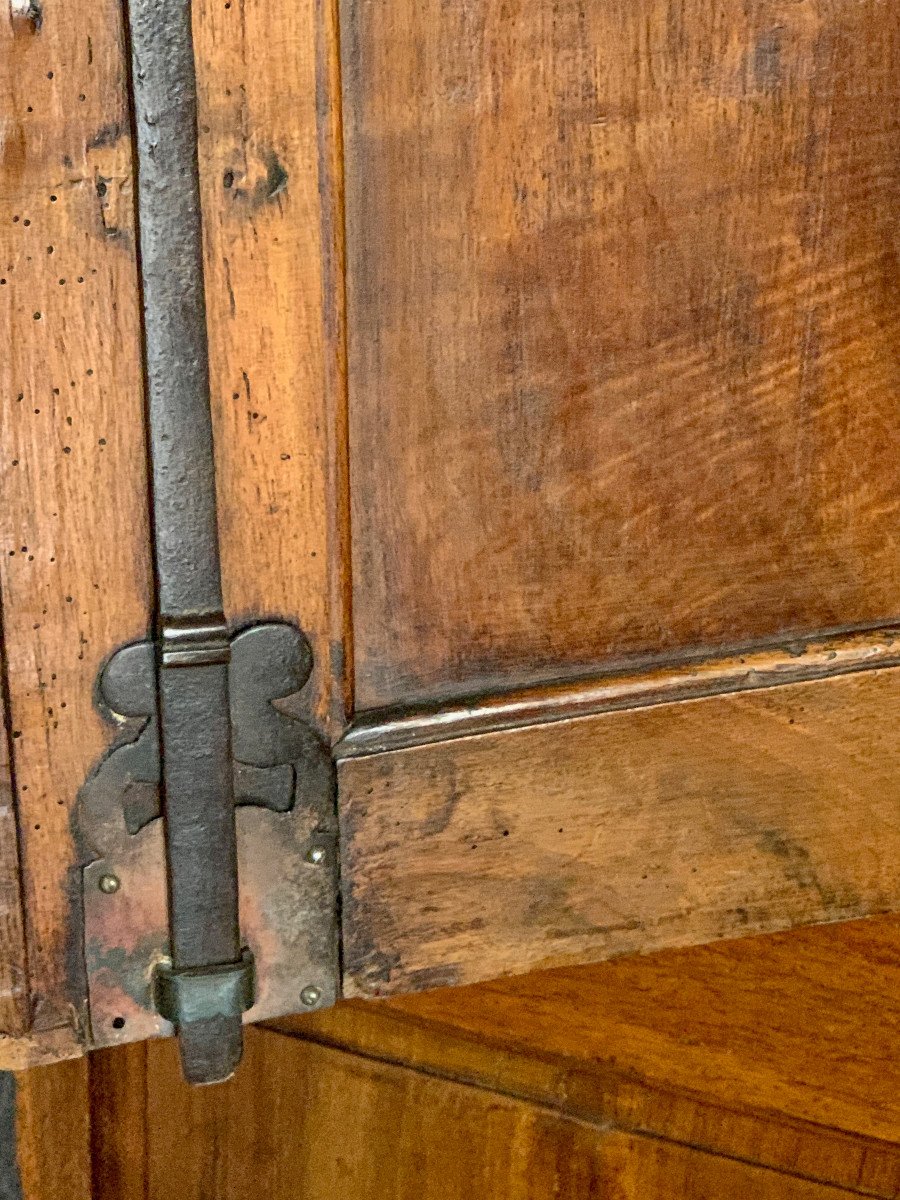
{"x": 283, "y": 784}
{"x": 204, "y": 698}
{"x": 192, "y": 647}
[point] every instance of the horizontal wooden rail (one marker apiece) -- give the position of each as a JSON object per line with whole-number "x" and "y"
{"x": 660, "y": 683}
{"x": 623, "y": 832}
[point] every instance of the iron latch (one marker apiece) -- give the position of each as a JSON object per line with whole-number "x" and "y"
{"x": 171, "y": 937}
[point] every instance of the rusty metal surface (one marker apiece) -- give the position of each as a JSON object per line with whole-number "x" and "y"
{"x": 286, "y": 833}
{"x": 192, "y": 645}
{"x": 287, "y": 910}
{"x": 164, "y": 96}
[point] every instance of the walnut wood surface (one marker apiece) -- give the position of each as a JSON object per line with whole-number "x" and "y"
{"x": 53, "y": 1132}
{"x": 306, "y": 1119}
{"x": 779, "y": 1050}
{"x": 620, "y": 833}
{"x": 623, "y": 315}
{"x": 74, "y": 554}
{"x": 267, "y": 173}
{"x": 760, "y": 1068}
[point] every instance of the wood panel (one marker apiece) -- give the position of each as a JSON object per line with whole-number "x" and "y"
{"x": 273, "y": 294}
{"x": 620, "y": 833}
{"x": 53, "y": 1118}
{"x": 623, "y": 318}
{"x": 75, "y": 570}
{"x": 74, "y": 561}
{"x": 122, "y": 1114}
{"x": 779, "y": 1050}
{"x": 305, "y": 1119}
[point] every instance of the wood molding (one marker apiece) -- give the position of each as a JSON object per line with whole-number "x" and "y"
{"x": 804, "y": 659}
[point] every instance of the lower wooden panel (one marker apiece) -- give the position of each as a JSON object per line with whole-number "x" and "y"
{"x": 621, "y": 833}
{"x": 53, "y": 1132}
{"x": 757, "y": 1068}
{"x": 778, "y": 1050}
{"x": 307, "y": 1120}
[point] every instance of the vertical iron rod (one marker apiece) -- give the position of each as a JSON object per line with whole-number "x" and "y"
{"x": 191, "y": 634}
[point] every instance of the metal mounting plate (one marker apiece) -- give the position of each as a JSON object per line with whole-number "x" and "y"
{"x": 283, "y": 777}
{"x": 288, "y": 920}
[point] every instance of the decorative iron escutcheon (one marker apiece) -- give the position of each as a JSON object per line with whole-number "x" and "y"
{"x": 164, "y": 942}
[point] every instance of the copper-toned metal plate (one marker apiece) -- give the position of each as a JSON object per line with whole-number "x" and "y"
{"x": 287, "y": 872}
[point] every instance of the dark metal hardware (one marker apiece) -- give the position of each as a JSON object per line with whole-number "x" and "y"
{"x": 207, "y": 994}
{"x": 209, "y": 733}
{"x": 284, "y": 789}
{"x": 192, "y": 639}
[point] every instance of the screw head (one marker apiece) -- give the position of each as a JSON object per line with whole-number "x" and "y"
{"x": 109, "y": 884}
{"x": 316, "y": 855}
{"x": 310, "y": 996}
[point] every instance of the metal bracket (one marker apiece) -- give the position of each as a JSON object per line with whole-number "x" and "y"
{"x": 287, "y": 853}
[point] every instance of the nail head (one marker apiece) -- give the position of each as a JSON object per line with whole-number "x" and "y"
{"x": 310, "y": 996}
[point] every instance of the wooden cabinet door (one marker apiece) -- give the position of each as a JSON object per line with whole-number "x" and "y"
{"x": 623, "y": 401}
{"x": 554, "y": 382}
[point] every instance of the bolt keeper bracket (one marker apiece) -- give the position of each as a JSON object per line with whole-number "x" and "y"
{"x": 286, "y": 833}
{"x": 204, "y": 993}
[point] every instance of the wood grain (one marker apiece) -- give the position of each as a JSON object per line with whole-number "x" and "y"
{"x": 623, "y": 336}
{"x": 53, "y": 1132}
{"x": 121, "y": 1115}
{"x": 623, "y": 316}
{"x": 779, "y": 1050}
{"x": 15, "y": 1006}
{"x": 271, "y": 250}
{"x": 620, "y": 833}
{"x": 74, "y": 557}
{"x": 304, "y": 1120}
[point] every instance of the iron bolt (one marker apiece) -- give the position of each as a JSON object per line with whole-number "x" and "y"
{"x": 310, "y": 996}
{"x": 109, "y": 884}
